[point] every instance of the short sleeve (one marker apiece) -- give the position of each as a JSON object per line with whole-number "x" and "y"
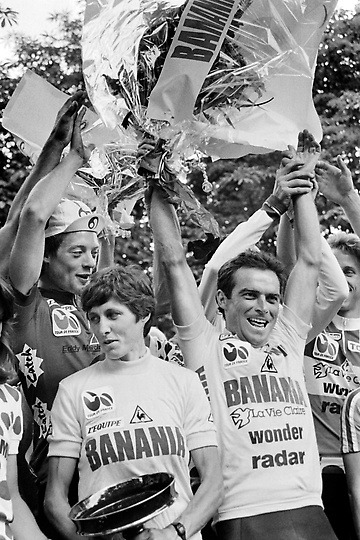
{"x": 11, "y": 416}
{"x": 66, "y": 438}
{"x": 199, "y": 426}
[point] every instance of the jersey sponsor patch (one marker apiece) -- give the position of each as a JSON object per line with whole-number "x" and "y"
{"x": 139, "y": 442}
{"x": 64, "y": 323}
{"x": 353, "y": 346}
{"x": 98, "y": 401}
{"x": 105, "y": 425}
{"x": 29, "y": 365}
{"x": 346, "y": 366}
{"x": 268, "y": 366}
{"x": 42, "y": 418}
{"x": 325, "y": 348}
{"x": 140, "y": 416}
{"x": 322, "y": 370}
{"x": 234, "y": 353}
{"x": 240, "y": 417}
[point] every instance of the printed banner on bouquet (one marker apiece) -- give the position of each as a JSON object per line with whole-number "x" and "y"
{"x": 257, "y": 94}
{"x": 199, "y": 36}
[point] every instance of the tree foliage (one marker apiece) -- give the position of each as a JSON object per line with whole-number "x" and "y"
{"x": 337, "y": 100}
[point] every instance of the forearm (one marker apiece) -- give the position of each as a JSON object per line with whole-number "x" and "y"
{"x": 184, "y": 297}
{"x": 50, "y": 157}
{"x": 307, "y": 230}
{"x": 48, "y": 192}
{"x": 166, "y": 230}
{"x": 201, "y": 508}
{"x": 332, "y": 291}
{"x": 245, "y": 235}
{"x": 7, "y": 237}
{"x": 24, "y": 525}
{"x": 9, "y": 231}
{"x": 300, "y": 293}
{"x": 285, "y": 247}
{"x": 204, "y": 503}
{"x": 57, "y": 510}
{"x": 107, "y": 251}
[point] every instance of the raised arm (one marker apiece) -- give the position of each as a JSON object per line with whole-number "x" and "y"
{"x": 28, "y": 251}
{"x": 336, "y": 184}
{"x": 300, "y": 292}
{"x": 184, "y": 297}
{"x": 249, "y": 233}
{"x": 49, "y": 157}
{"x": 331, "y": 292}
{"x": 332, "y": 286}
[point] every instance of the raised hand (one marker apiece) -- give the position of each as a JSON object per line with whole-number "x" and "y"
{"x": 151, "y": 154}
{"x": 64, "y": 124}
{"x": 291, "y": 181}
{"x": 307, "y": 152}
{"x": 335, "y": 183}
{"x": 77, "y": 144}
{"x": 306, "y": 155}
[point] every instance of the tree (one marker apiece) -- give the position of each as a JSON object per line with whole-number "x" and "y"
{"x": 337, "y": 100}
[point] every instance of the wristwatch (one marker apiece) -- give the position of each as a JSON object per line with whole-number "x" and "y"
{"x": 180, "y": 529}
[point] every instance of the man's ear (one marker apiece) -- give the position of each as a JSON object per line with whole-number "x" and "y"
{"x": 146, "y": 318}
{"x": 221, "y": 299}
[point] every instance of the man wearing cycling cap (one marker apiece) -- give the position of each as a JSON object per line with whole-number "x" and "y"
{"x": 55, "y": 253}
{"x": 72, "y": 216}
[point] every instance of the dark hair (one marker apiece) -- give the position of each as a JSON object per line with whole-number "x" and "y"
{"x": 127, "y": 284}
{"x": 6, "y": 317}
{"x": 52, "y": 244}
{"x": 347, "y": 242}
{"x": 248, "y": 259}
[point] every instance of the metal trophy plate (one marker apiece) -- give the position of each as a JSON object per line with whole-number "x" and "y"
{"x": 124, "y": 507}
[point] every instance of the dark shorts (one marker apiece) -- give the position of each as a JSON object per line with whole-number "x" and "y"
{"x": 336, "y": 503}
{"x": 308, "y": 523}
